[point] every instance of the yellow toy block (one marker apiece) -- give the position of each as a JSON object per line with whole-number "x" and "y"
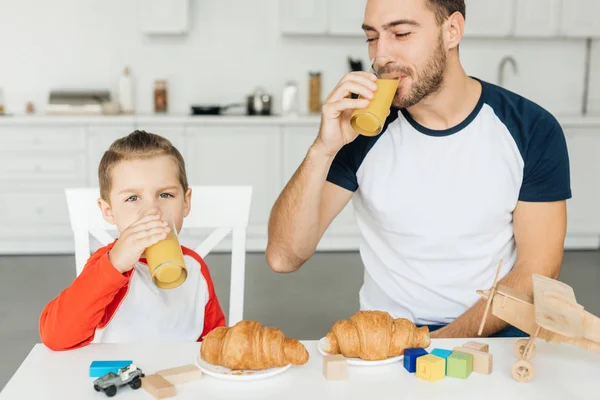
{"x": 431, "y": 368}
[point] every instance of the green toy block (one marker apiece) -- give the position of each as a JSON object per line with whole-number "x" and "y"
{"x": 459, "y": 365}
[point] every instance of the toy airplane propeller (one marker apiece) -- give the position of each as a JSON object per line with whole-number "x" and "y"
{"x": 553, "y": 315}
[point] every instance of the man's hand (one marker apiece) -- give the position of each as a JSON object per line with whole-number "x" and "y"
{"x": 143, "y": 233}
{"x": 336, "y": 130}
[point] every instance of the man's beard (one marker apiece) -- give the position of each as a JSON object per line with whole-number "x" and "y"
{"x": 428, "y": 80}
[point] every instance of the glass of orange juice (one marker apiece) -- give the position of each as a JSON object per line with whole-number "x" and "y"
{"x": 165, "y": 260}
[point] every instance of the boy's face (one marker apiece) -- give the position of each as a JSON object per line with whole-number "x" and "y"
{"x": 144, "y": 186}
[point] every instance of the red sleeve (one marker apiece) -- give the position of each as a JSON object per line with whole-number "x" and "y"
{"x": 213, "y": 315}
{"x": 70, "y": 320}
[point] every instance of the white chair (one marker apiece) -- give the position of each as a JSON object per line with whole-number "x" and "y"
{"x": 223, "y": 209}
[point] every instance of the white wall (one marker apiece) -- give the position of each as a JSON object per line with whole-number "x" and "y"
{"x": 233, "y": 46}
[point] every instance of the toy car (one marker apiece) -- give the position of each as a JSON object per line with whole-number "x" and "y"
{"x": 130, "y": 375}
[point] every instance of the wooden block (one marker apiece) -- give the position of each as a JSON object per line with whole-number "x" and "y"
{"x": 477, "y": 346}
{"x": 482, "y": 362}
{"x": 431, "y": 368}
{"x": 335, "y": 368}
{"x": 459, "y": 365}
{"x": 181, "y": 375}
{"x": 442, "y": 353}
{"x": 158, "y": 387}
{"x": 410, "y": 358}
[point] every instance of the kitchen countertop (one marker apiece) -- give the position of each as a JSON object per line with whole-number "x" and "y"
{"x": 182, "y": 119}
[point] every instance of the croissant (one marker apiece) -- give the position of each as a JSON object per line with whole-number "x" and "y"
{"x": 375, "y": 335}
{"x": 250, "y": 346}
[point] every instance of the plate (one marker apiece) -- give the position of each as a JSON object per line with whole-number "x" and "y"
{"x": 220, "y": 372}
{"x": 357, "y": 361}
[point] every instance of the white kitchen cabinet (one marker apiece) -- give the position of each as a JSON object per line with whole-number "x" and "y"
{"x": 584, "y": 153}
{"x": 239, "y": 155}
{"x": 580, "y": 18}
{"x": 303, "y": 16}
{"x": 489, "y": 18}
{"x": 343, "y": 231}
{"x": 346, "y": 17}
{"x": 537, "y": 18}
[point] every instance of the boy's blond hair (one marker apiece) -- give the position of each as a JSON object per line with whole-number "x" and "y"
{"x": 137, "y": 145}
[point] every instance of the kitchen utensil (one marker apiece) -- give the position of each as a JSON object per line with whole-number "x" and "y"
{"x": 259, "y": 103}
{"x": 212, "y": 109}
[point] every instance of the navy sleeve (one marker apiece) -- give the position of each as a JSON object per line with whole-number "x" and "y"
{"x": 546, "y": 175}
{"x": 347, "y": 161}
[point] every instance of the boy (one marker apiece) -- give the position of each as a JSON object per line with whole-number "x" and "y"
{"x": 142, "y": 177}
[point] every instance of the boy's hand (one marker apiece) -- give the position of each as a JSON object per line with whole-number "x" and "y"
{"x": 143, "y": 233}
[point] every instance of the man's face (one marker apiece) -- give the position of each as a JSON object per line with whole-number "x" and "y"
{"x": 408, "y": 43}
{"x": 144, "y": 186}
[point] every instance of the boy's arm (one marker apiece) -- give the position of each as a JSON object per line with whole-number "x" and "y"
{"x": 70, "y": 320}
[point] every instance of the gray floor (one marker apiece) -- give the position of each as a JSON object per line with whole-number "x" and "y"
{"x": 303, "y": 305}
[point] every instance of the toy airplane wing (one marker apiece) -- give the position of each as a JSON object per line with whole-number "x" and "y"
{"x": 556, "y": 308}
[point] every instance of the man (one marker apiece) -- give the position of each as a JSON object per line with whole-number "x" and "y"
{"x": 464, "y": 174}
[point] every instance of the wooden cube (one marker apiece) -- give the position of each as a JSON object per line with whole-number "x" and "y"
{"x": 410, "y": 358}
{"x": 335, "y": 368}
{"x": 477, "y": 346}
{"x": 459, "y": 365}
{"x": 158, "y": 387}
{"x": 482, "y": 362}
{"x": 442, "y": 353}
{"x": 181, "y": 375}
{"x": 431, "y": 368}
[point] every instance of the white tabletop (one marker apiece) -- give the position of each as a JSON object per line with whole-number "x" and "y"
{"x": 562, "y": 372}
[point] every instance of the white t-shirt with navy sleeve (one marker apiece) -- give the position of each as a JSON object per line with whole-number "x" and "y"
{"x": 434, "y": 208}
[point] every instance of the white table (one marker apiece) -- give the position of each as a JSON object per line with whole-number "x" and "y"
{"x": 562, "y": 372}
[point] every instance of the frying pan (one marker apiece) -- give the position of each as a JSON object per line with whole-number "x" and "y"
{"x": 212, "y": 110}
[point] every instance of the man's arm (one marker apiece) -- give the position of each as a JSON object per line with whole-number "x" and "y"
{"x": 303, "y": 212}
{"x": 540, "y": 230}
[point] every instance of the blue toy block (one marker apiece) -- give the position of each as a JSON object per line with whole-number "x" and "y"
{"x": 101, "y": 368}
{"x": 410, "y": 358}
{"x": 442, "y": 353}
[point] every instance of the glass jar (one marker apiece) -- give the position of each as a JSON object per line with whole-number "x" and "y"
{"x": 161, "y": 99}
{"x": 314, "y": 98}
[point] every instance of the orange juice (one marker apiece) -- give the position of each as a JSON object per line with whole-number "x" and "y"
{"x": 165, "y": 261}
{"x": 369, "y": 121}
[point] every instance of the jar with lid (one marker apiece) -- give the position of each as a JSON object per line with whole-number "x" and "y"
{"x": 161, "y": 99}
{"x": 315, "y": 92}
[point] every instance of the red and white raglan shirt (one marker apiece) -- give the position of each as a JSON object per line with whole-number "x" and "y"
{"x": 104, "y": 306}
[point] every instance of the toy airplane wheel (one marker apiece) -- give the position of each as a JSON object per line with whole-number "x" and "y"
{"x": 520, "y": 347}
{"x": 523, "y": 371}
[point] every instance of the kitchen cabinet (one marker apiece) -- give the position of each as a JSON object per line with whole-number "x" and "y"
{"x": 343, "y": 231}
{"x": 537, "y": 18}
{"x": 238, "y": 155}
{"x": 346, "y": 17}
{"x": 41, "y": 156}
{"x": 303, "y": 17}
{"x": 489, "y": 18}
{"x": 584, "y": 152}
{"x": 579, "y": 18}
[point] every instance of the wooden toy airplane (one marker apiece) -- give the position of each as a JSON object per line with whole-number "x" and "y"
{"x": 552, "y": 315}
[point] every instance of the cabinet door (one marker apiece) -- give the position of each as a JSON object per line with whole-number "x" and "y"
{"x": 343, "y": 229}
{"x": 236, "y": 155}
{"x": 489, "y": 18}
{"x": 303, "y": 16}
{"x": 580, "y": 18}
{"x": 537, "y": 18}
{"x": 346, "y": 17}
{"x": 584, "y": 153}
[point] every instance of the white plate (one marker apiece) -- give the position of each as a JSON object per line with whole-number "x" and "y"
{"x": 357, "y": 361}
{"x": 225, "y": 373}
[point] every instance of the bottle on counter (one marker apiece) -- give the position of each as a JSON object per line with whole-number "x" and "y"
{"x": 314, "y": 98}
{"x": 1, "y": 102}
{"x": 126, "y": 92}
{"x": 160, "y": 96}
{"x": 290, "y": 99}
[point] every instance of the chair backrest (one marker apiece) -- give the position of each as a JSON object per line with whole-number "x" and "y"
{"x": 221, "y": 209}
